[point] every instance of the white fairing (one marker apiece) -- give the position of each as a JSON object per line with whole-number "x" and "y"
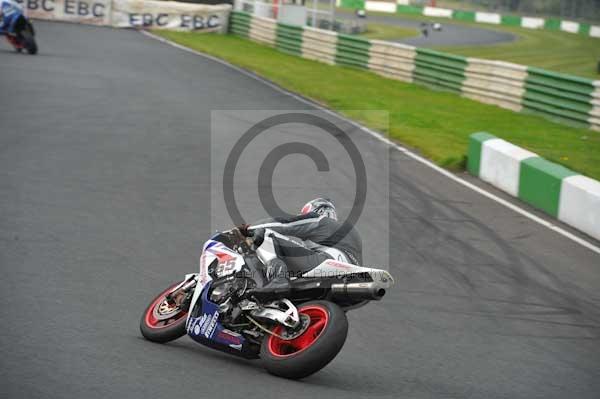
{"x": 333, "y": 268}
{"x": 230, "y": 262}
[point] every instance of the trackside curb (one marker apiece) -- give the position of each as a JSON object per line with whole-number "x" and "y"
{"x": 561, "y": 193}
{"x": 377, "y": 136}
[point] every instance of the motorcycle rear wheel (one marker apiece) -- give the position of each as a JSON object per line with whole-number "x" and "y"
{"x": 313, "y": 349}
{"x": 162, "y": 322}
{"x": 29, "y": 41}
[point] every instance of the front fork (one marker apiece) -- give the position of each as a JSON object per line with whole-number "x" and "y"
{"x": 180, "y": 293}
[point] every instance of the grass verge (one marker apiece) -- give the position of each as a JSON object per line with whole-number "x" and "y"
{"x": 387, "y": 32}
{"x": 556, "y": 51}
{"x": 553, "y": 50}
{"x": 435, "y": 123}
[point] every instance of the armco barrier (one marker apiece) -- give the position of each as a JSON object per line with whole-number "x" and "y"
{"x": 240, "y": 24}
{"x": 481, "y": 17}
{"x": 511, "y": 86}
{"x": 595, "y": 112}
{"x": 352, "y": 51}
{"x": 133, "y": 13}
{"x": 289, "y": 39}
{"x": 552, "y": 188}
{"x": 440, "y": 70}
{"x": 495, "y": 82}
{"x": 392, "y": 60}
{"x": 558, "y": 95}
{"x": 263, "y": 30}
{"x": 319, "y": 45}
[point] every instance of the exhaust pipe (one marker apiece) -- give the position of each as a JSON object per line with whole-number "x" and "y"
{"x": 358, "y": 291}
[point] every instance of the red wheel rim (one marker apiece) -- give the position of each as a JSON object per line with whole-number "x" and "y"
{"x": 319, "y": 318}
{"x": 150, "y": 318}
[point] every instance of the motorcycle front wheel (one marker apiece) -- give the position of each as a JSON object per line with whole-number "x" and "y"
{"x": 162, "y": 321}
{"x": 308, "y": 353}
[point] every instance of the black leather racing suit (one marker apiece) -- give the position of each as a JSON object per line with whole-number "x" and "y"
{"x": 303, "y": 241}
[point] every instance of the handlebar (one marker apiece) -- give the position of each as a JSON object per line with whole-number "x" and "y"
{"x": 239, "y": 241}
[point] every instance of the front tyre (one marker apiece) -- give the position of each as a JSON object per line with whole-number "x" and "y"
{"x": 313, "y": 349}
{"x": 162, "y": 321}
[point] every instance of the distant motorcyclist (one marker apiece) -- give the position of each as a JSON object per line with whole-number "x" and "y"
{"x": 16, "y": 27}
{"x": 7, "y": 9}
{"x": 291, "y": 246}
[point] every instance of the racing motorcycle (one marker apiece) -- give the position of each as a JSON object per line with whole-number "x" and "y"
{"x": 295, "y": 336}
{"x": 17, "y": 28}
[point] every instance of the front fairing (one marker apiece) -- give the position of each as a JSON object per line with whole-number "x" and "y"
{"x": 203, "y": 324}
{"x": 216, "y": 260}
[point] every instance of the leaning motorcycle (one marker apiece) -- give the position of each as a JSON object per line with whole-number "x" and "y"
{"x": 294, "y": 336}
{"x": 18, "y": 29}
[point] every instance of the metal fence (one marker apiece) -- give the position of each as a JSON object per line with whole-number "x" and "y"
{"x": 567, "y": 9}
{"x": 319, "y": 13}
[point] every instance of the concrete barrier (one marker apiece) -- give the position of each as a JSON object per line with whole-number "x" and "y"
{"x": 569, "y": 26}
{"x": 490, "y": 18}
{"x": 319, "y": 45}
{"x": 380, "y": 6}
{"x": 263, "y": 30}
{"x": 495, "y": 82}
{"x": 134, "y": 14}
{"x": 392, "y": 60}
{"x": 501, "y": 164}
{"x": 532, "y": 23}
{"x": 580, "y": 204}
{"x": 549, "y": 187}
{"x": 437, "y": 12}
{"x": 571, "y": 99}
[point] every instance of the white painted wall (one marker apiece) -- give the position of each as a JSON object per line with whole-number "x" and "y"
{"x": 488, "y": 18}
{"x": 437, "y": 12}
{"x": 569, "y": 26}
{"x": 381, "y": 6}
{"x": 580, "y": 204}
{"x": 501, "y": 164}
{"x": 532, "y": 23}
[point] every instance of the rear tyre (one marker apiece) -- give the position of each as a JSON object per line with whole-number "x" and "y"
{"x": 29, "y": 42}
{"x": 313, "y": 349}
{"x": 162, "y": 322}
{"x": 28, "y": 37}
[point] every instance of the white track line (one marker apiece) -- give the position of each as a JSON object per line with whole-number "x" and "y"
{"x": 398, "y": 147}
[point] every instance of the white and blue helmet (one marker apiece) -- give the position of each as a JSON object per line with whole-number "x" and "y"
{"x": 321, "y": 206}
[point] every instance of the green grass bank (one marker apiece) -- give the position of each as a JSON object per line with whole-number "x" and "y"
{"x": 435, "y": 123}
{"x": 553, "y": 50}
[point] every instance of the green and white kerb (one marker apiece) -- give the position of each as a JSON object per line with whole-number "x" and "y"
{"x": 552, "y": 188}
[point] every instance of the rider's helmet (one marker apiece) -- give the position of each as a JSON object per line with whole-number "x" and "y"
{"x": 321, "y": 206}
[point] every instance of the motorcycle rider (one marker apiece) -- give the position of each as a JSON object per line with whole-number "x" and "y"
{"x": 7, "y": 9}
{"x": 291, "y": 246}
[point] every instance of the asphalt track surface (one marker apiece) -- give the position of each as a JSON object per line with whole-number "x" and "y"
{"x": 450, "y": 35}
{"x": 105, "y": 199}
